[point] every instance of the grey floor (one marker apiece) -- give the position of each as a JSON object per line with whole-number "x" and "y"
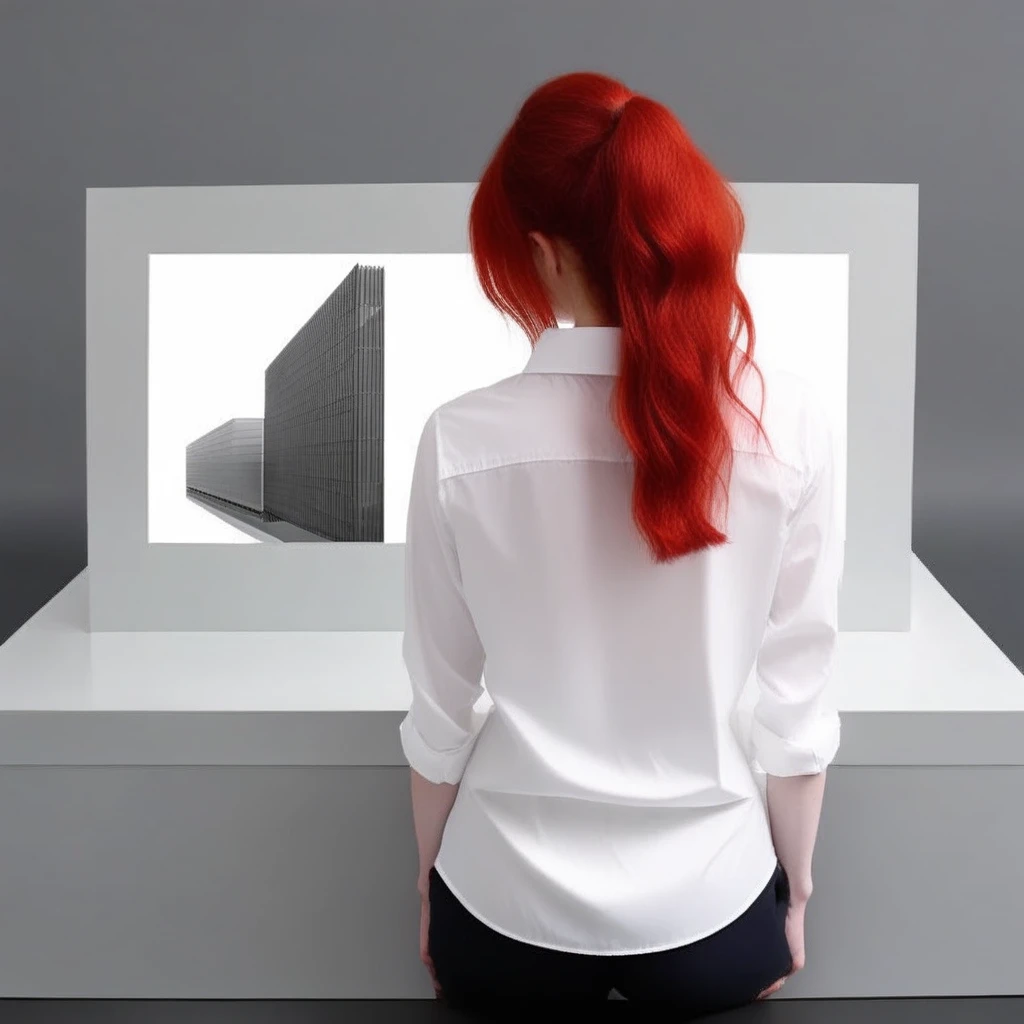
{"x": 798, "y": 1011}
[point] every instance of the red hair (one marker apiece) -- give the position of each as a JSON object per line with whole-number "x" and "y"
{"x": 616, "y": 176}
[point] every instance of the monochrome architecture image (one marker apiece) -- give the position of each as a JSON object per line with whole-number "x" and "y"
{"x": 313, "y": 467}
{"x": 291, "y": 352}
{"x": 226, "y": 464}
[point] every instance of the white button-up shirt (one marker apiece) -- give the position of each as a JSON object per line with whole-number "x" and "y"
{"x": 608, "y": 803}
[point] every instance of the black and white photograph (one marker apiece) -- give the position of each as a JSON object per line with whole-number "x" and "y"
{"x": 313, "y": 467}
{"x": 287, "y": 391}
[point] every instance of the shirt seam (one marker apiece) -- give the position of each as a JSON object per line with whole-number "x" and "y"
{"x": 442, "y": 510}
{"x": 471, "y": 469}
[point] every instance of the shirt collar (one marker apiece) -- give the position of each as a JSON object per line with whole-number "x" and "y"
{"x": 576, "y": 350}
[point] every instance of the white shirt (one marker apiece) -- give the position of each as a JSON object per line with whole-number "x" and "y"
{"x": 607, "y": 802}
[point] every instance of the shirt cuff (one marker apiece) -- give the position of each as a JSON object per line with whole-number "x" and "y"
{"x": 808, "y": 754}
{"x": 437, "y": 765}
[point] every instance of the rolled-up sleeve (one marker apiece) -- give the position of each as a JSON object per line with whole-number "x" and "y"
{"x": 796, "y": 728}
{"x": 440, "y": 647}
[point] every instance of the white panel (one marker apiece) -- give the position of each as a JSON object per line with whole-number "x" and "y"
{"x": 135, "y": 584}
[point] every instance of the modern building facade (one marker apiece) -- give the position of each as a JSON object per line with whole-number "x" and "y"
{"x": 323, "y": 430}
{"x": 227, "y": 463}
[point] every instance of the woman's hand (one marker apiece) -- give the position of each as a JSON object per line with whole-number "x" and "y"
{"x": 425, "y": 935}
{"x": 795, "y": 934}
{"x": 795, "y": 938}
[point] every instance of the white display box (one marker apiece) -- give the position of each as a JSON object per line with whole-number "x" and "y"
{"x": 136, "y": 584}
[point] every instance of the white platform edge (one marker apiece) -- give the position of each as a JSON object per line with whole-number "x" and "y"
{"x": 940, "y": 694}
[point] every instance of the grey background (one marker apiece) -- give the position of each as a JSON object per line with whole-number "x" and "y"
{"x": 180, "y": 92}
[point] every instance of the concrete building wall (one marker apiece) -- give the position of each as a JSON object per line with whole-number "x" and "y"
{"x": 227, "y": 463}
{"x": 324, "y": 416}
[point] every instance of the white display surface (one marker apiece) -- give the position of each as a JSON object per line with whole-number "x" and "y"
{"x": 217, "y": 319}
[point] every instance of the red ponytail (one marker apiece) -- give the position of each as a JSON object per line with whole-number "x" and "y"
{"x": 659, "y": 230}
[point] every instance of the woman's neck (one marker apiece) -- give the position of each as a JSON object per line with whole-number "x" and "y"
{"x": 592, "y": 316}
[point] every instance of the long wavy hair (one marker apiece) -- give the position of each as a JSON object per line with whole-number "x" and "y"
{"x": 658, "y": 230}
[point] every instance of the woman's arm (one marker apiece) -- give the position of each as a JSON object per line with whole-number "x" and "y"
{"x": 431, "y": 804}
{"x": 443, "y": 654}
{"x": 796, "y": 728}
{"x": 794, "y": 809}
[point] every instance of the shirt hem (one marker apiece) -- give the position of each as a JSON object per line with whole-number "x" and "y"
{"x": 639, "y": 951}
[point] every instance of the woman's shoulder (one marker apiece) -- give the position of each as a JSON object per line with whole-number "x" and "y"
{"x": 479, "y": 421}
